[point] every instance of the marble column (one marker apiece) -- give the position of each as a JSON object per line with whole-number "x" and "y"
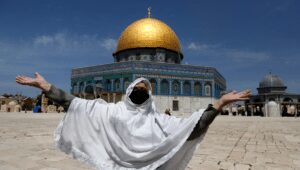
{"x": 181, "y": 87}
{"x": 170, "y": 86}
{"x": 122, "y": 84}
{"x": 112, "y": 84}
{"x": 192, "y": 87}
{"x": 158, "y": 80}
{"x": 212, "y": 90}
{"x": 202, "y": 88}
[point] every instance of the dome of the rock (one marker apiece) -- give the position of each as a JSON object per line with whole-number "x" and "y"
{"x": 148, "y": 33}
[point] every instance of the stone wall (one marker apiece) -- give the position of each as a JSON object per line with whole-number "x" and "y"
{"x": 186, "y": 105}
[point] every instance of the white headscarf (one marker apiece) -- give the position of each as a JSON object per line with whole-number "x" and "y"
{"x": 126, "y": 135}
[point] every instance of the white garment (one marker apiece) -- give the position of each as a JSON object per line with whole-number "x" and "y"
{"x": 125, "y": 135}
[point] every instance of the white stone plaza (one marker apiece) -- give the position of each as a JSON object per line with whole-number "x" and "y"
{"x": 256, "y": 143}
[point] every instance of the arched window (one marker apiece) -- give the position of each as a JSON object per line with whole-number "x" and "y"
{"x": 287, "y": 99}
{"x": 186, "y": 88}
{"x": 197, "y": 89}
{"x": 175, "y": 88}
{"x": 271, "y": 99}
{"x": 257, "y": 100}
{"x": 207, "y": 89}
{"x": 117, "y": 86}
{"x": 164, "y": 87}
{"x": 131, "y": 58}
{"x": 152, "y": 57}
{"x": 89, "y": 89}
{"x": 81, "y": 86}
{"x": 138, "y": 56}
{"x": 217, "y": 91}
{"x": 126, "y": 83}
{"x": 98, "y": 86}
{"x": 108, "y": 85}
{"x": 153, "y": 86}
{"x": 74, "y": 88}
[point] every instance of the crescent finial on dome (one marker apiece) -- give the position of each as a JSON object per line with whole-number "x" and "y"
{"x": 149, "y": 12}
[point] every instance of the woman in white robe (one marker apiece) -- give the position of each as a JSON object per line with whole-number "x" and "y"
{"x": 130, "y": 134}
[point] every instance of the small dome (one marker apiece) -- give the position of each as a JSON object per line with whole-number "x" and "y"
{"x": 272, "y": 104}
{"x": 271, "y": 80}
{"x": 148, "y": 33}
{"x": 12, "y": 103}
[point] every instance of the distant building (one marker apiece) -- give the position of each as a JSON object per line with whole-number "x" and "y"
{"x": 28, "y": 104}
{"x": 11, "y": 103}
{"x": 272, "y": 99}
{"x": 46, "y": 105}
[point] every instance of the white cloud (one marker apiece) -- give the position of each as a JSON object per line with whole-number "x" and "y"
{"x": 239, "y": 55}
{"x": 236, "y": 55}
{"x": 43, "y": 40}
{"x": 58, "y": 38}
{"x": 197, "y": 47}
{"x": 109, "y": 43}
{"x": 52, "y": 54}
{"x": 54, "y": 47}
{"x": 74, "y": 42}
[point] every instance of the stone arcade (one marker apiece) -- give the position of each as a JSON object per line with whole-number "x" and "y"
{"x": 272, "y": 99}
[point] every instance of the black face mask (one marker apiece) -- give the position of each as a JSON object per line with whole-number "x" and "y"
{"x": 139, "y": 96}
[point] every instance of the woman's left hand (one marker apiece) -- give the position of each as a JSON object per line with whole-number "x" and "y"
{"x": 232, "y": 97}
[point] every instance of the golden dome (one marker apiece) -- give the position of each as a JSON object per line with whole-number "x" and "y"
{"x": 148, "y": 33}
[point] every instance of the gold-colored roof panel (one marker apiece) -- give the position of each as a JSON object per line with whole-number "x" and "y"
{"x": 148, "y": 33}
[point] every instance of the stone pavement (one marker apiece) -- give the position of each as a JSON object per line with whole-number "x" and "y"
{"x": 239, "y": 143}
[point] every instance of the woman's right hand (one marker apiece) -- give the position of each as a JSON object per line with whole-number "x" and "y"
{"x": 38, "y": 82}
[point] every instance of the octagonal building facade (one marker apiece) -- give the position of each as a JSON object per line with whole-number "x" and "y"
{"x": 150, "y": 48}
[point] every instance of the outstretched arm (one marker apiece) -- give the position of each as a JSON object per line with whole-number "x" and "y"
{"x": 59, "y": 96}
{"x": 38, "y": 81}
{"x": 55, "y": 94}
{"x": 232, "y": 97}
{"x": 212, "y": 111}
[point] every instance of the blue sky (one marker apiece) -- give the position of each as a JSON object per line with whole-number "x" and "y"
{"x": 244, "y": 40}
